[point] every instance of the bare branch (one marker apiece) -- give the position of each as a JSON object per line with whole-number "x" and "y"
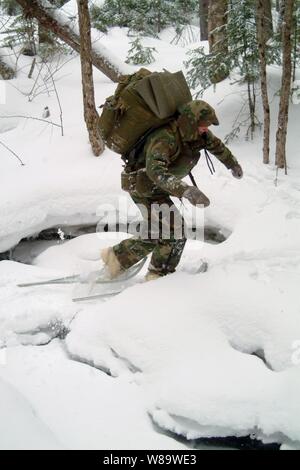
{"x": 11, "y": 151}
{"x": 33, "y": 118}
{"x": 58, "y": 100}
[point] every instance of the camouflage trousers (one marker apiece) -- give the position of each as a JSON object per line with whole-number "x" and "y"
{"x": 161, "y": 234}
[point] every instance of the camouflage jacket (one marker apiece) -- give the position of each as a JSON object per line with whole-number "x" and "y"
{"x": 166, "y": 158}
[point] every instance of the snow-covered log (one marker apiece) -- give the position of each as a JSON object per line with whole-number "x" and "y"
{"x": 59, "y": 24}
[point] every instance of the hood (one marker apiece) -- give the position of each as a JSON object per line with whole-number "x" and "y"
{"x": 191, "y": 114}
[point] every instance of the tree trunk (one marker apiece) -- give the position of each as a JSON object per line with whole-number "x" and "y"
{"x": 45, "y": 14}
{"x": 296, "y": 40}
{"x": 90, "y": 112}
{"x": 281, "y": 7}
{"x": 203, "y": 15}
{"x": 29, "y": 47}
{"x": 268, "y": 18}
{"x": 6, "y": 72}
{"x": 217, "y": 20}
{"x": 285, "y": 85}
{"x": 44, "y": 36}
{"x": 261, "y": 40}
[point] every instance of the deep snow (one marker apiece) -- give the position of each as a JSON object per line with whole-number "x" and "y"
{"x": 211, "y": 354}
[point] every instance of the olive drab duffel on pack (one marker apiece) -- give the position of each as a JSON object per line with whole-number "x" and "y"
{"x": 142, "y": 102}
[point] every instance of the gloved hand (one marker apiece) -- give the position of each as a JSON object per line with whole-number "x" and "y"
{"x": 237, "y": 171}
{"x": 195, "y": 196}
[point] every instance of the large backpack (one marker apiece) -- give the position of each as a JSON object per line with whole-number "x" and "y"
{"x": 142, "y": 102}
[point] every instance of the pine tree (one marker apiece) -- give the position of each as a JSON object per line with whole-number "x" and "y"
{"x": 160, "y": 14}
{"x": 147, "y": 17}
{"x": 25, "y": 32}
{"x": 184, "y": 11}
{"x": 10, "y": 7}
{"x": 140, "y": 55}
{"x": 241, "y": 30}
{"x": 242, "y": 54}
{"x": 21, "y": 32}
{"x": 123, "y": 13}
{"x": 39, "y": 9}
{"x": 203, "y": 67}
{"x": 111, "y": 13}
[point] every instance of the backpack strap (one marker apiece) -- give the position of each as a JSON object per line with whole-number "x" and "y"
{"x": 207, "y": 156}
{"x": 193, "y": 180}
{"x": 130, "y": 157}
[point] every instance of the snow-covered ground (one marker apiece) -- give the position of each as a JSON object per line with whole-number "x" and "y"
{"x": 212, "y": 354}
{"x": 67, "y": 405}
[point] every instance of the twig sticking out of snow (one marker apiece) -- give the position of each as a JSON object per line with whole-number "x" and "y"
{"x": 34, "y": 118}
{"x": 11, "y": 151}
{"x": 58, "y": 100}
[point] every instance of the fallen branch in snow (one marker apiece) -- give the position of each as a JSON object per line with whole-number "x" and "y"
{"x": 11, "y": 151}
{"x": 53, "y": 20}
{"x": 31, "y": 117}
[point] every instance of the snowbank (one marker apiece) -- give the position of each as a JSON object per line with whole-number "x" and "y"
{"x": 215, "y": 354}
{"x": 20, "y": 427}
{"x": 212, "y": 354}
{"x": 84, "y": 408}
{"x": 195, "y": 351}
{"x": 37, "y": 314}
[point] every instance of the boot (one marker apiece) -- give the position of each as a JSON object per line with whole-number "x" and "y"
{"x": 112, "y": 264}
{"x": 152, "y": 276}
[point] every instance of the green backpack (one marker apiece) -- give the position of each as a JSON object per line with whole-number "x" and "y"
{"x": 142, "y": 102}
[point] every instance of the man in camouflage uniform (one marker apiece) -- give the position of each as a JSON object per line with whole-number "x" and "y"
{"x": 156, "y": 173}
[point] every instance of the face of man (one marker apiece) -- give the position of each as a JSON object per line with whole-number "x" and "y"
{"x": 203, "y": 127}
